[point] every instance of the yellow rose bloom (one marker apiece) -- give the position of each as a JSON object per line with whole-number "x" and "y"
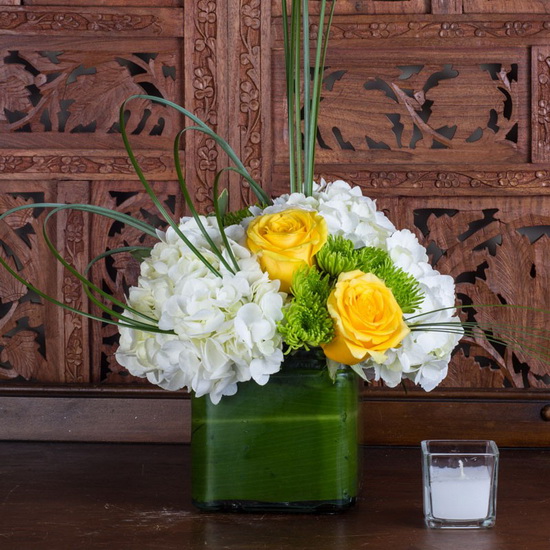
{"x": 367, "y": 319}
{"x": 286, "y": 241}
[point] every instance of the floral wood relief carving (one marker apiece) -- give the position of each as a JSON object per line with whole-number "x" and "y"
{"x": 441, "y": 29}
{"x": 497, "y": 256}
{"x": 119, "y": 272}
{"x": 81, "y": 92}
{"x": 75, "y": 341}
{"x": 540, "y": 104}
{"x": 436, "y": 179}
{"x": 56, "y": 21}
{"x": 412, "y": 107}
{"x": 79, "y": 165}
{"x": 249, "y": 92}
{"x": 205, "y": 98}
{"x": 22, "y": 330}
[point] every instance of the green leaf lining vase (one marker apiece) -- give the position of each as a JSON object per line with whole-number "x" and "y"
{"x": 290, "y": 445}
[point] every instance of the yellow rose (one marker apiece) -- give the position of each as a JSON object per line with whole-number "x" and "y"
{"x": 286, "y": 241}
{"x": 367, "y": 319}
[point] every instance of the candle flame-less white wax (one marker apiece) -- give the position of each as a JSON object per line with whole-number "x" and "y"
{"x": 460, "y": 493}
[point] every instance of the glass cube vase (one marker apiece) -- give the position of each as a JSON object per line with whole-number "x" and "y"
{"x": 288, "y": 446}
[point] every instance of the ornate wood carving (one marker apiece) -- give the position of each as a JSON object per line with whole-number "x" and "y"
{"x": 249, "y": 35}
{"x": 436, "y": 28}
{"x": 78, "y": 91}
{"x": 121, "y": 271}
{"x": 158, "y": 165}
{"x": 86, "y": 20}
{"x": 24, "y": 321}
{"x": 540, "y": 104}
{"x": 74, "y": 231}
{"x": 496, "y": 251}
{"x": 396, "y": 110}
{"x": 444, "y": 180}
{"x": 205, "y": 97}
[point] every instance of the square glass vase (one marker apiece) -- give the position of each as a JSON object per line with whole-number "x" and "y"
{"x": 288, "y": 446}
{"x": 460, "y": 483}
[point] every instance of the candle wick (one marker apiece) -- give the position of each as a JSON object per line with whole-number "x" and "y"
{"x": 461, "y": 466}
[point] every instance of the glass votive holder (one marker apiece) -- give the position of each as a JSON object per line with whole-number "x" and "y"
{"x": 460, "y": 483}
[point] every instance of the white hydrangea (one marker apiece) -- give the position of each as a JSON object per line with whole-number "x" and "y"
{"x": 223, "y": 330}
{"x": 347, "y": 212}
{"x": 423, "y": 355}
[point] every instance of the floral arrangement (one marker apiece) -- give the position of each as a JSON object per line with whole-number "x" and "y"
{"x": 223, "y": 298}
{"x": 326, "y": 272}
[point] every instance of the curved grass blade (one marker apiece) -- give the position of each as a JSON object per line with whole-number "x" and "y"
{"x": 256, "y": 188}
{"x": 308, "y": 169}
{"x": 107, "y": 254}
{"x": 189, "y": 200}
{"x": 118, "y": 216}
{"x": 106, "y": 212}
{"x": 86, "y": 314}
{"x": 219, "y": 219}
{"x": 154, "y": 197}
{"x": 289, "y": 68}
{"x": 318, "y": 82}
{"x": 87, "y": 284}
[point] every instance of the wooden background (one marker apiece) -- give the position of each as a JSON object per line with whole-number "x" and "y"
{"x": 438, "y": 109}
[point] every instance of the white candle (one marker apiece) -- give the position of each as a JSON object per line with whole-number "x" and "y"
{"x": 460, "y": 493}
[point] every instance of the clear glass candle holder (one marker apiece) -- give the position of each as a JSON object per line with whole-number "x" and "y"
{"x": 460, "y": 483}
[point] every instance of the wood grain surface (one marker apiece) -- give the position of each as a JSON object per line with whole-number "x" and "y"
{"x": 438, "y": 109}
{"x": 137, "y": 496}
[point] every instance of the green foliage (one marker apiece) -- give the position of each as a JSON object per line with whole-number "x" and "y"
{"x": 370, "y": 258}
{"x": 306, "y": 326}
{"x": 234, "y": 218}
{"x": 309, "y": 284}
{"x": 338, "y": 255}
{"x": 307, "y": 322}
{"x": 303, "y": 87}
{"x": 404, "y": 287}
{"x": 141, "y": 254}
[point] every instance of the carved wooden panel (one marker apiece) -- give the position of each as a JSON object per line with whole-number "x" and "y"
{"x": 438, "y": 109}
{"x": 103, "y": 21}
{"x": 468, "y": 31}
{"x": 206, "y": 95}
{"x": 63, "y": 75}
{"x": 496, "y": 249}
{"x": 62, "y": 93}
{"x": 540, "y": 103}
{"x": 117, "y": 273}
{"x": 418, "y": 107}
{"x": 99, "y": 3}
{"x": 25, "y": 352}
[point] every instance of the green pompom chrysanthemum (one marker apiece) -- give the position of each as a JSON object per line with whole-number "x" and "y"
{"x": 306, "y": 326}
{"x": 337, "y": 256}
{"x": 307, "y": 322}
{"x": 234, "y": 218}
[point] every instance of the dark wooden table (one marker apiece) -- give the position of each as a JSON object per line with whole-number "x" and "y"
{"x": 113, "y": 496}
